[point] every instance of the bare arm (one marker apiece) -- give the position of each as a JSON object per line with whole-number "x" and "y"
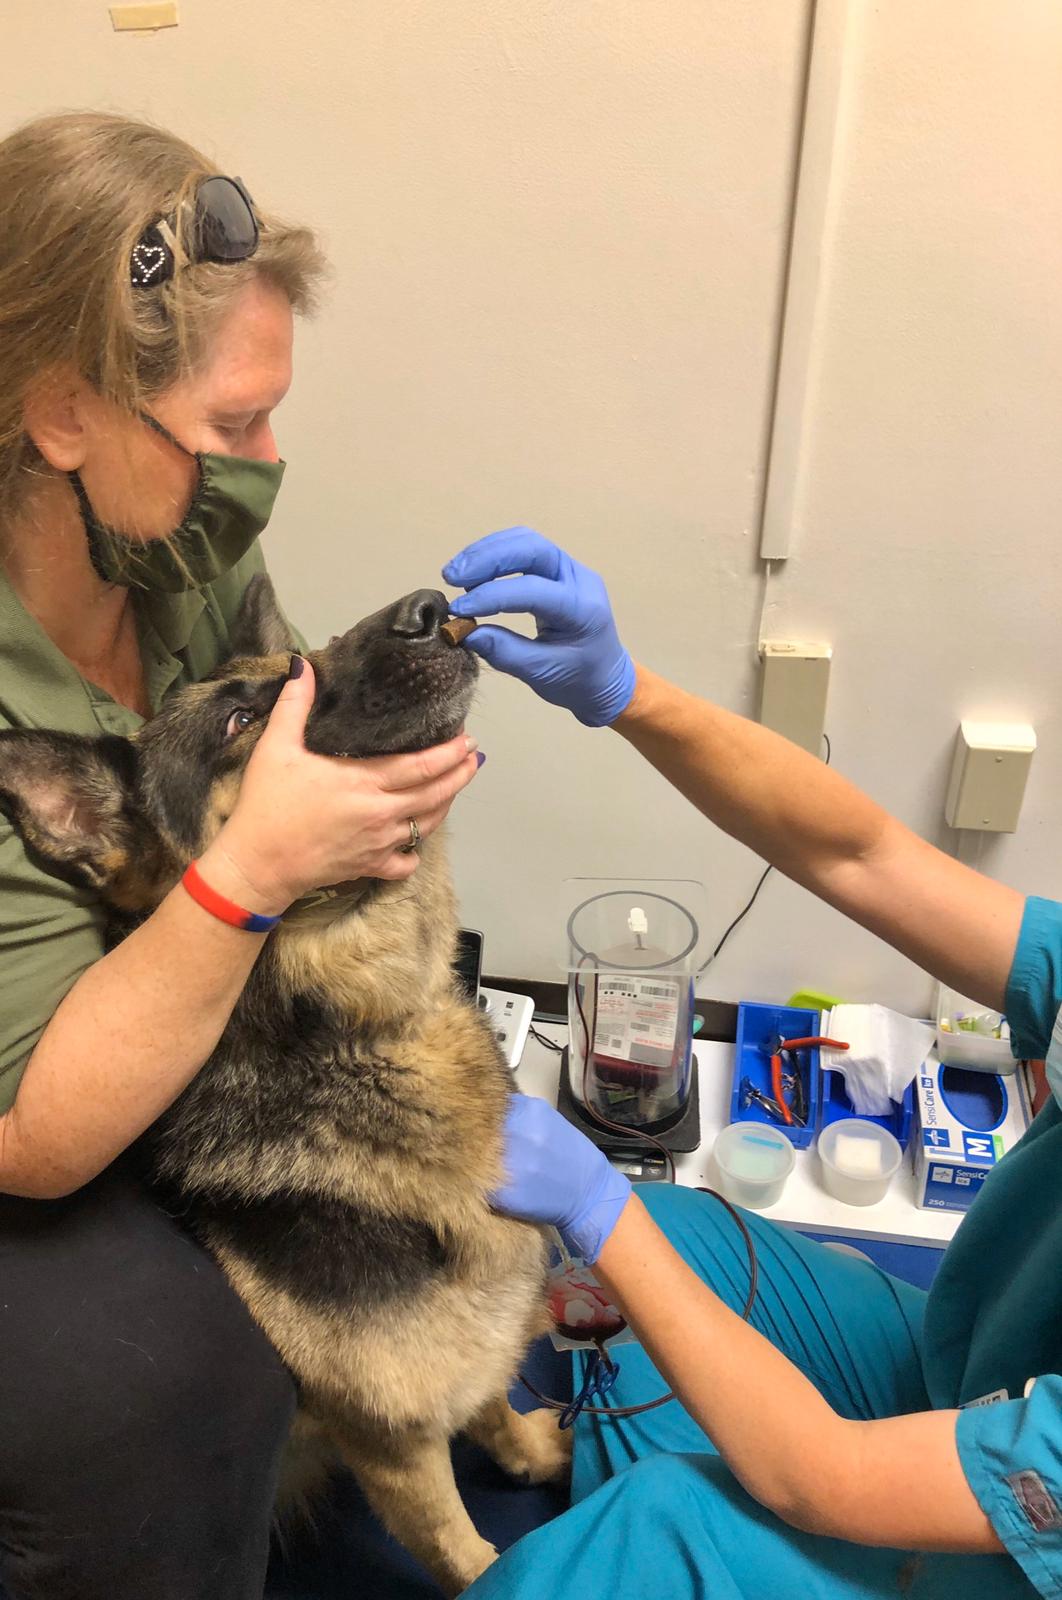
{"x": 781, "y": 802}
{"x": 788, "y": 1447}
{"x": 137, "y": 1026}
{"x": 127, "y": 1038}
{"x": 821, "y": 831}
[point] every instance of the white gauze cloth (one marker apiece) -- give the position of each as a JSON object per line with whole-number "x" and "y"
{"x": 885, "y": 1051}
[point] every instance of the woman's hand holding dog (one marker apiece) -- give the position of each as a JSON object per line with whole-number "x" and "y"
{"x": 303, "y": 821}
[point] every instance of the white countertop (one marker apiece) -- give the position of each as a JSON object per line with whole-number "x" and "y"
{"x": 805, "y": 1202}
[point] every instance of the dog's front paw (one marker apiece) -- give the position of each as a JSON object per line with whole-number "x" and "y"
{"x": 541, "y": 1452}
{"x": 469, "y": 1563}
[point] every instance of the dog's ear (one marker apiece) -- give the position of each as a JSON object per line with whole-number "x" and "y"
{"x": 71, "y": 800}
{"x": 261, "y": 629}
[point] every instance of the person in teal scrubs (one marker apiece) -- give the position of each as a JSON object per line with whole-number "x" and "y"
{"x": 857, "y": 1437}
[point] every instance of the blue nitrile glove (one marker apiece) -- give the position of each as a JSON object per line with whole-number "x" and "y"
{"x": 577, "y": 660}
{"x": 556, "y": 1175}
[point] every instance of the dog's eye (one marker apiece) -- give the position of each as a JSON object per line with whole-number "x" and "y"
{"x": 237, "y": 722}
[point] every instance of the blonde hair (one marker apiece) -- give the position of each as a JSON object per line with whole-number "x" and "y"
{"x": 76, "y": 192}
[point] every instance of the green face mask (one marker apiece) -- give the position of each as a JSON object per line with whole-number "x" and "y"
{"x": 231, "y": 504}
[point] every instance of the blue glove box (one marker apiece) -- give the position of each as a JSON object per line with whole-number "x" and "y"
{"x": 756, "y": 1025}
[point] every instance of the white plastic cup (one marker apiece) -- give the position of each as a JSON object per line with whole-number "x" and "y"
{"x": 753, "y": 1162}
{"x": 859, "y": 1160}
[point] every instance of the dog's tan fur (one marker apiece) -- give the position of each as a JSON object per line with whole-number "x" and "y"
{"x": 353, "y": 1083}
{"x": 390, "y": 1392}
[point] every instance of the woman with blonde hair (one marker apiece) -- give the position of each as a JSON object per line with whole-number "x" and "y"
{"x": 146, "y": 309}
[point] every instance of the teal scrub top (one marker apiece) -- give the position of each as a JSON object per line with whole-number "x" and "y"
{"x": 994, "y": 1315}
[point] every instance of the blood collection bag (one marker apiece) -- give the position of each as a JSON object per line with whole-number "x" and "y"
{"x": 631, "y": 964}
{"x": 582, "y": 1313}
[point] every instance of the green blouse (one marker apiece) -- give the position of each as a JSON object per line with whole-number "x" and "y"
{"x": 49, "y": 932}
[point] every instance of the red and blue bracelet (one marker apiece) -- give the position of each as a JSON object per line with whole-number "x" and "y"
{"x": 225, "y": 910}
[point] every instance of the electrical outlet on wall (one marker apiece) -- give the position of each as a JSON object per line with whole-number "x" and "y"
{"x": 796, "y": 679}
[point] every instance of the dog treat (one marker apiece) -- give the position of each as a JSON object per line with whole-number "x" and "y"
{"x": 454, "y": 629}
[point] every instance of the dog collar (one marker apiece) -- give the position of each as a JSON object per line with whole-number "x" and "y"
{"x": 354, "y": 888}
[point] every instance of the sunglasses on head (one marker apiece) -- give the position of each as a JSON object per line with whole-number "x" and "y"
{"x": 224, "y": 228}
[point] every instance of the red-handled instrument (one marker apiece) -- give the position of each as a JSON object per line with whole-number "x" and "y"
{"x": 778, "y": 1047}
{"x": 778, "y": 1089}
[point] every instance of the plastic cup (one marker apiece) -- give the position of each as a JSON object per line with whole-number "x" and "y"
{"x": 753, "y": 1161}
{"x": 859, "y": 1160}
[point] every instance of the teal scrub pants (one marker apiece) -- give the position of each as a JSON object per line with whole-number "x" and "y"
{"x": 657, "y": 1515}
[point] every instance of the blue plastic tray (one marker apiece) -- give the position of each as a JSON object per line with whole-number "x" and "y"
{"x": 836, "y": 1104}
{"x": 756, "y": 1024}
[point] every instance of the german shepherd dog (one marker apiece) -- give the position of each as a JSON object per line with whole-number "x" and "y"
{"x": 336, "y": 1151}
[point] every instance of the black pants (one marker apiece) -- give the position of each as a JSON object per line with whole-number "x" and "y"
{"x": 142, "y": 1411}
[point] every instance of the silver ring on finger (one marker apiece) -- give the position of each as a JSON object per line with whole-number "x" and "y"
{"x": 414, "y": 838}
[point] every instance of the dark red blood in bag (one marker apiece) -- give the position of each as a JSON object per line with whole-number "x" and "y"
{"x": 580, "y": 1308}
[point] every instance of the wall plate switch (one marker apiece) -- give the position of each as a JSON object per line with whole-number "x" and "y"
{"x": 796, "y": 678}
{"x": 988, "y": 774}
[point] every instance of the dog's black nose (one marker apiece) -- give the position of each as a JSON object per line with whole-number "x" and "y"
{"x": 419, "y": 615}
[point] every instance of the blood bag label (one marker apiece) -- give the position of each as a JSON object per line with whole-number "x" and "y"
{"x": 637, "y": 1019}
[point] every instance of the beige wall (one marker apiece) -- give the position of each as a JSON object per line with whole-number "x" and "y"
{"x": 559, "y": 236}
{"x": 928, "y": 523}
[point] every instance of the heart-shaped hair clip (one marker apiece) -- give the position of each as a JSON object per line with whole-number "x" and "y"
{"x": 151, "y": 261}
